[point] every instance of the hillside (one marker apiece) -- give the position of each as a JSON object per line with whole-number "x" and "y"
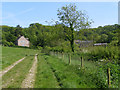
{"x": 56, "y": 36}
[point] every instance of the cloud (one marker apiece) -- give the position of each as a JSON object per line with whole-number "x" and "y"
{"x": 25, "y": 11}
{"x": 13, "y": 15}
{"x": 13, "y": 18}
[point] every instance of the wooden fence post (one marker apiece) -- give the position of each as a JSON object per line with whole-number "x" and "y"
{"x": 81, "y": 62}
{"x": 58, "y": 54}
{"x": 69, "y": 59}
{"x": 55, "y": 53}
{"x": 109, "y": 82}
{"x": 63, "y": 55}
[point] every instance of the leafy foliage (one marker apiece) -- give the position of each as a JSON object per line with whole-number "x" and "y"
{"x": 73, "y": 20}
{"x": 58, "y": 35}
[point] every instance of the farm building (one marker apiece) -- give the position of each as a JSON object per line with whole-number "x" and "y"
{"x": 83, "y": 43}
{"x": 22, "y": 41}
{"x": 100, "y": 44}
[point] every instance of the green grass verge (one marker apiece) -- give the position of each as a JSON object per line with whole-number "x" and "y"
{"x": 45, "y": 77}
{"x": 91, "y": 66}
{"x": 14, "y": 77}
{"x": 95, "y": 70}
{"x": 70, "y": 76}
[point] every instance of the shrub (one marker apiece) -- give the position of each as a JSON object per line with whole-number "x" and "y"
{"x": 109, "y": 52}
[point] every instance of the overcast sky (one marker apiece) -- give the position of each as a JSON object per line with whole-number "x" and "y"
{"x": 25, "y": 13}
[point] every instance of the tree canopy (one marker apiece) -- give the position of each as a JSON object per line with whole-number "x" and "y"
{"x": 55, "y": 36}
{"x": 74, "y": 20}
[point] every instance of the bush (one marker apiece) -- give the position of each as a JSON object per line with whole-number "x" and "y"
{"x": 109, "y": 52}
{"x": 6, "y": 43}
{"x": 46, "y": 50}
{"x": 113, "y": 72}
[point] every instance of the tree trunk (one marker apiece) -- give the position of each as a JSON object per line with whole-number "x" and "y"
{"x": 72, "y": 39}
{"x": 72, "y": 45}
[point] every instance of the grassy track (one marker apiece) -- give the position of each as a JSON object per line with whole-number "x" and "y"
{"x": 14, "y": 77}
{"x": 28, "y": 82}
{"x": 10, "y": 55}
{"x": 45, "y": 77}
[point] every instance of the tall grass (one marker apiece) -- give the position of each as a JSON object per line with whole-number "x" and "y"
{"x": 73, "y": 76}
{"x": 96, "y": 62}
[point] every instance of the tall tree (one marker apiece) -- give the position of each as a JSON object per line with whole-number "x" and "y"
{"x": 73, "y": 19}
{"x": 18, "y": 31}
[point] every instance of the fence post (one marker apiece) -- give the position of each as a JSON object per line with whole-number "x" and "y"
{"x": 109, "y": 82}
{"x": 63, "y": 55}
{"x": 69, "y": 59}
{"x": 57, "y": 54}
{"x": 81, "y": 62}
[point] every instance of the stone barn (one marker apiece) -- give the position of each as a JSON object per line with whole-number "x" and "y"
{"x": 22, "y": 41}
{"x": 100, "y": 44}
{"x": 83, "y": 43}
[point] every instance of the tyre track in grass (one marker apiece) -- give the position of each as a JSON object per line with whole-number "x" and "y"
{"x": 45, "y": 77}
{"x": 65, "y": 75}
{"x": 58, "y": 79}
{"x": 10, "y": 67}
{"x": 54, "y": 74}
{"x": 28, "y": 82}
{"x": 14, "y": 77}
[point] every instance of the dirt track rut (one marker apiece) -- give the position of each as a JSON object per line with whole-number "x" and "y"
{"x": 10, "y": 67}
{"x": 28, "y": 82}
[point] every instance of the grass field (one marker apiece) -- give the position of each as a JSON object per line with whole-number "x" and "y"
{"x": 54, "y": 71}
{"x": 10, "y": 55}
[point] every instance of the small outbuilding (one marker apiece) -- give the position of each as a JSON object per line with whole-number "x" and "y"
{"x": 83, "y": 43}
{"x": 22, "y": 41}
{"x": 100, "y": 44}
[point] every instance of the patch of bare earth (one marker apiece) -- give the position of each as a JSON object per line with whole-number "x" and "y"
{"x": 28, "y": 82}
{"x": 10, "y": 67}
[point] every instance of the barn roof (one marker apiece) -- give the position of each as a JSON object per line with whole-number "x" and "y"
{"x": 20, "y": 37}
{"x": 79, "y": 41}
{"x": 97, "y": 44}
